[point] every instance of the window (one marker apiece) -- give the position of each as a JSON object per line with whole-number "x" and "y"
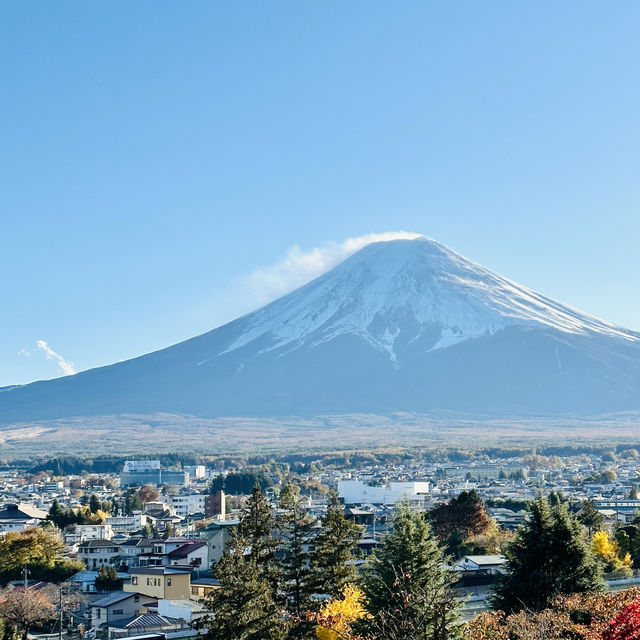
{"x": 136, "y": 598}
{"x": 168, "y": 582}
{"x": 118, "y": 612}
{"x": 148, "y": 581}
{"x": 98, "y": 613}
{"x": 134, "y": 580}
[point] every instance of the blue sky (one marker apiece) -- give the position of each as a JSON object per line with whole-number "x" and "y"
{"x": 157, "y": 154}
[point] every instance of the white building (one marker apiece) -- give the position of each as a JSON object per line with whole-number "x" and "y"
{"x": 138, "y": 466}
{"x": 357, "y": 492}
{"x": 18, "y": 517}
{"x": 124, "y": 524}
{"x": 186, "y": 505}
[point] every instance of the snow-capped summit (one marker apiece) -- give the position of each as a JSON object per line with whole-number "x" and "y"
{"x": 400, "y": 291}
{"x": 401, "y": 325}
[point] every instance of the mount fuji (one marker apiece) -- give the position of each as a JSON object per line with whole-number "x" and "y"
{"x": 400, "y": 326}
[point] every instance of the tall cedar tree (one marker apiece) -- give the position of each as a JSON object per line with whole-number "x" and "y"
{"x": 294, "y": 526}
{"x": 550, "y": 555}
{"x": 244, "y": 607}
{"x": 406, "y": 585}
{"x": 256, "y": 529}
{"x": 335, "y": 544}
{"x": 465, "y": 515}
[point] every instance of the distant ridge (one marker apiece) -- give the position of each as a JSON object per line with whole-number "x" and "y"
{"x": 402, "y": 325}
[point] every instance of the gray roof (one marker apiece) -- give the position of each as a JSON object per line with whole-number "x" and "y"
{"x": 112, "y": 598}
{"x": 486, "y": 559}
{"x": 145, "y": 621}
{"x": 156, "y": 571}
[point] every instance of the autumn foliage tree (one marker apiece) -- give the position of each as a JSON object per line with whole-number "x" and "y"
{"x": 24, "y": 609}
{"x": 625, "y": 625}
{"x": 614, "y": 559}
{"x": 337, "y": 616}
{"x": 461, "y": 518}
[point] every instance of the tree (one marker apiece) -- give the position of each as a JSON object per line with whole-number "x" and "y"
{"x": 40, "y": 550}
{"x": 549, "y": 556}
{"x": 294, "y": 526}
{"x": 406, "y": 585}
{"x": 591, "y": 517}
{"x": 614, "y": 559}
{"x": 625, "y": 625}
{"x": 332, "y": 561}
{"x": 107, "y": 579}
{"x": 244, "y": 607}
{"x": 463, "y": 517}
{"x": 94, "y": 503}
{"x": 256, "y": 528}
{"x": 24, "y": 609}
{"x": 337, "y": 615}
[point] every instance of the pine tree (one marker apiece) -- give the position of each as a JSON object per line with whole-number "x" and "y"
{"x": 406, "y": 585}
{"x": 335, "y": 544}
{"x": 550, "y": 555}
{"x": 244, "y": 607}
{"x": 294, "y": 528}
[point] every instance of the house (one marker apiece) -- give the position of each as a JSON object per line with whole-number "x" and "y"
{"x": 144, "y": 625}
{"x": 487, "y": 564}
{"x": 201, "y": 588}
{"x": 133, "y": 548}
{"x": 21, "y": 516}
{"x": 119, "y": 605}
{"x": 217, "y": 535}
{"x": 160, "y": 582}
{"x": 99, "y": 553}
{"x": 176, "y": 552}
{"x": 85, "y": 581}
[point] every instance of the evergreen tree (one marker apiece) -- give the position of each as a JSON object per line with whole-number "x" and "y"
{"x": 294, "y": 527}
{"x": 407, "y": 588}
{"x": 244, "y": 607}
{"x": 335, "y": 544}
{"x": 94, "y": 503}
{"x": 107, "y": 579}
{"x": 256, "y": 528}
{"x": 591, "y": 517}
{"x": 549, "y": 556}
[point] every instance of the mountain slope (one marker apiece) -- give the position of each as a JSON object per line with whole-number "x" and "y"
{"x": 403, "y": 325}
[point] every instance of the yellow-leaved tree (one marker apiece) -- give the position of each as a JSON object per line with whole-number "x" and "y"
{"x": 607, "y": 549}
{"x": 335, "y": 618}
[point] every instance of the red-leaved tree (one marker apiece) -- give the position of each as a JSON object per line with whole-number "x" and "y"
{"x": 625, "y": 625}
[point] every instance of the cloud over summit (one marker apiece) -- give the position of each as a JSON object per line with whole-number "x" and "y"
{"x": 298, "y": 267}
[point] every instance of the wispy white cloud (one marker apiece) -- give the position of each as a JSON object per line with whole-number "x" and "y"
{"x": 65, "y": 366}
{"x": 298, "y": 267}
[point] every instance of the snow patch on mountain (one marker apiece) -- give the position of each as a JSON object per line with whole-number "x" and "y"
{"x": 405, "y": 290}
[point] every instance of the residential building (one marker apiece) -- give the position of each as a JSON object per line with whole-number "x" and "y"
{"x": 160, "y": 582}
{"x": 99, "y": 553}
{"x": 119, "y": 605}
{"x": 177, "y": 552}
{"x": 21, "y": 516}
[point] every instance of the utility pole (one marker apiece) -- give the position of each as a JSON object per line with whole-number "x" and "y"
{"x": 60, "y": 614}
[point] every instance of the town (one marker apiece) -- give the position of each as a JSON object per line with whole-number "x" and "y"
{"x": 138, "y": 546}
